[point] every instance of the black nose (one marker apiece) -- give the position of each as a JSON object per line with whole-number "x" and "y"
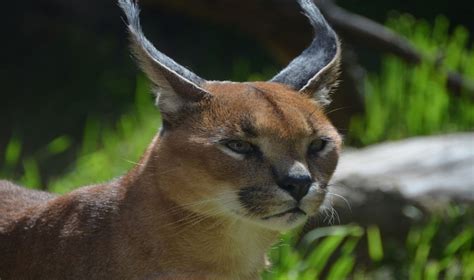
{"x": 296, "y": 185}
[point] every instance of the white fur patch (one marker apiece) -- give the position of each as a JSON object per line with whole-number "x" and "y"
{"x": 328, "y": 148}
{"x": 313, "y": 199}
{"x": 168, "y": 101}
{"x": 299, "y": 165}
{"x": 229, "y": 202}
{"x": 231, "y": 153}
{"x": 322, "y": 96}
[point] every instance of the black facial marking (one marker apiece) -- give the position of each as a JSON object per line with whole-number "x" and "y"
{"x": 252, "y": 197}
{"x": 248, "y": 128}
{"x": 276, "y": 109}
{"x": 274, "y": 173}
{"x": 165, "y": 126}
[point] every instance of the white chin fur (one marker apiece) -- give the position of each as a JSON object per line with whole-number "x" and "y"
{"x": 328, "y": 148}
{"x": 231, "y": 153}
{"x": 313, "y": 200}
{"x": 232, "y": 207}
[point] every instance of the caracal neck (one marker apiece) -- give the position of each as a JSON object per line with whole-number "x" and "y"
{"x": 180, "y": 240}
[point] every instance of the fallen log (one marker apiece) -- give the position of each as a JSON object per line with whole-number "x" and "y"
{"x": 396, "y": 184}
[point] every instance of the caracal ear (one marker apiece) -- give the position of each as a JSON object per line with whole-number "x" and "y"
{"x": 176, "y": 86}
{"x": 315, "y": 71}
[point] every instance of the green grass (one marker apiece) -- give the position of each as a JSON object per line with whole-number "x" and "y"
{"x": 442, "y": 248}
{"x": 309, "y": 260}
{"x": 110, "y": 152}
{"x": 402, "y": 101}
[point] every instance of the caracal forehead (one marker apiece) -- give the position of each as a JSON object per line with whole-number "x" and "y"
{"x": 266, "y": 110}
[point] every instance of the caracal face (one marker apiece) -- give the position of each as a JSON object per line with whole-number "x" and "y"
{"x": 258, "y": 152}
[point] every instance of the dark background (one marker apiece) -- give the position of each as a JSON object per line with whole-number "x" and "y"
{"x": 64, "y": 61}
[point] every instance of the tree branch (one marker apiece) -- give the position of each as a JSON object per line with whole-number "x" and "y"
{"x": 375, "y": 35}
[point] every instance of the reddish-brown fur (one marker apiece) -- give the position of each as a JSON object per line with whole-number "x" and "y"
{"x": 154, "y": 222}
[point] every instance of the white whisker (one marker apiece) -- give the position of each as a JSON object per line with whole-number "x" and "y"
{"x": 343, "y": 198}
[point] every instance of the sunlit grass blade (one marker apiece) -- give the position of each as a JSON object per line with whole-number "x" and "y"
{"x": 465, "y": 237}
{"x": 468, "y": 265}
{"x": 12, "y": 153}
{"x": 59, "y": 145}
{"x": 432, "y": 270}
{"x": 321, "y": 253}
{"x": 314, "y": 235}
{"x": 374, "y": 243}
{"x": 341, "y": 268}
{"x": 31, "y": 177}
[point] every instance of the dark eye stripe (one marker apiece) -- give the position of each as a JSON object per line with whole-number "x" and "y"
{"x": 317, "y": 145}
{"x": 248, "y": 128}
{"x": 240, "y": 147}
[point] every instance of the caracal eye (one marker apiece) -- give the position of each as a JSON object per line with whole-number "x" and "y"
{"x": 317, "y": 146}
{"x": 241, "y": 147}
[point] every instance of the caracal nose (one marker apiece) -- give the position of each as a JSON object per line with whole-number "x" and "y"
{"x": 296, "y": 181}
{"x": 296, "y": 186}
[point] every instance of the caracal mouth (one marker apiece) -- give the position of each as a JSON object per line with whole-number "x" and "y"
{"x": 286, "y": 220}
{"x": 293, "y": 212}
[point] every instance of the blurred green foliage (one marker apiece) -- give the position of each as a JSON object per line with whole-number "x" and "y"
{"x": 310, "y": 259}
{"x": 402, "y": 100}
{"x": 443, "y": 248}
{"x": 110, "y": 151}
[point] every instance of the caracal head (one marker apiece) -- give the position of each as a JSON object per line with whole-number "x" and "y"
{"x": 259, "y": 152}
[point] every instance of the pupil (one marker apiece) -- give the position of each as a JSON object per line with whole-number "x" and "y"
{"x": 318, "y": 145}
